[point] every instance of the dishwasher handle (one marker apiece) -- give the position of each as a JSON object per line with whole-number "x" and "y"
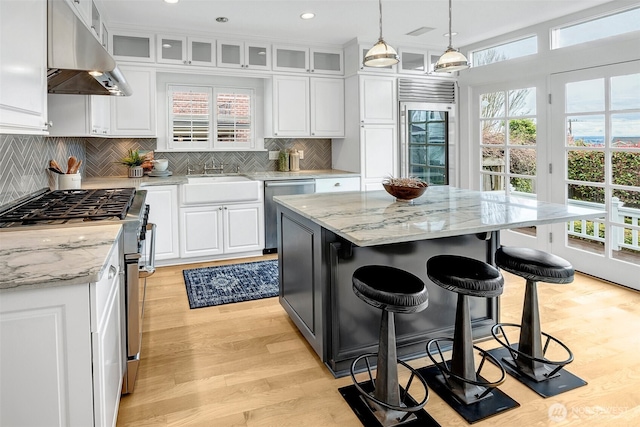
{"x": 287, "y": 183}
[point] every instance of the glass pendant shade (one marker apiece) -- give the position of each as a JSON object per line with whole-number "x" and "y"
{"x": 381, "y": 55}
{"x": 450, "y": 61}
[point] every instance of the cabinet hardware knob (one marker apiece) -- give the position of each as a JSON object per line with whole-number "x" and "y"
{"x": 225, "y": 208}
{"x": 189, "y": 62}
{"x": 220, "y": 208}
{"x": 184, "y": 62}
{"x": 112, "y": 272}
{"x": 48, "y": 124}
{"x": 337, "y": 184}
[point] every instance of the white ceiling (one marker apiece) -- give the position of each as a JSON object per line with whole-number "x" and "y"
{"x": 339, "y": 21}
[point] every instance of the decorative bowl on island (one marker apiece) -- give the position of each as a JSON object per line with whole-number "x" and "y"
{"x": 405, "y": 189}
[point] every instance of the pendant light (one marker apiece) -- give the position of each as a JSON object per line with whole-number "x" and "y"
{"x": 451, "y": 59}
{"x": 381, "y": 54}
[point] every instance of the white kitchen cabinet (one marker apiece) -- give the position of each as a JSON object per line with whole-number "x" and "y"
{"x": 201, "y": 231}
{"x": 379, "y": 155}
{"x": 244, "y": 55}
{"x": 132, "y": 46}
{"x": 23, "y": 67}
{"x": 335, "y": 185}
{"x": 79, "y": 115}
{"x": 378, "y": 100}
{"x": 186, "y": 50}
{"x": 163, "y": 211}
{"x": 221, "y": 229}
{"x": 413, "y": 61}
{"x": 307, "y": 60}
{"x": 370, "y": 145}
{"x": 135, "y": 115}
{"x": 307, "y": 107}
{"x": 62, "y": 349}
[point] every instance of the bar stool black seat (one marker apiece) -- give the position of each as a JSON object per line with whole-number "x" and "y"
{"x": 382, "y": 402}
{"x": 526, "y": 360}
{"x": 458, "y": 382}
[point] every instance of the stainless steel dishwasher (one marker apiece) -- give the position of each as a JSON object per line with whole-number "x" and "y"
{"x": 280, "y": 188}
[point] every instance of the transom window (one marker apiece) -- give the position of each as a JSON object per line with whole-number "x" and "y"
{"x": 503, "y": 52}
{"x": 594, "y": 29}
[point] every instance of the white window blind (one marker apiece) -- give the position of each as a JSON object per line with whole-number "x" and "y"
{"x": 190, "y": 116}
{"x": 234, "y": 118}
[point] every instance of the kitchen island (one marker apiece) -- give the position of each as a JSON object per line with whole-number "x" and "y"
{"x": 324, "y": 238}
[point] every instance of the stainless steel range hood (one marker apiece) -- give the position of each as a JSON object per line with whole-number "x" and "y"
{"x": 73, "y": 53}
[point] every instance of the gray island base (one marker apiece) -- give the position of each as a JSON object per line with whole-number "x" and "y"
{"x": 324, "y": 238}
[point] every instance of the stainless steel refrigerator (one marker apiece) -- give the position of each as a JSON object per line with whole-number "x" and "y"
{"x": 427, "y": 140}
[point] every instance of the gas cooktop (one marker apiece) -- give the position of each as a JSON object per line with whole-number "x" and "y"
{"x": 65, "y": 206}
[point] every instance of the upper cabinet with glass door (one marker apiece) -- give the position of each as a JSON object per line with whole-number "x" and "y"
{"x": 185, "y": 51}
{"x": 132, "y": 46}
{"x": 307, "y": 60}
{"x": 245, "y": 55}
{"x": 413, "y": 61}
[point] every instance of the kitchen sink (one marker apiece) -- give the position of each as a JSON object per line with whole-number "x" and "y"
{"x": 220, "y": 189}
{"x": 204, "y": 179}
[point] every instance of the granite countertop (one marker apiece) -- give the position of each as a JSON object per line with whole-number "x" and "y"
{"x": 46, "y": 257}
{"x": 375, "y": 218}
{"x": 123, "y": 181}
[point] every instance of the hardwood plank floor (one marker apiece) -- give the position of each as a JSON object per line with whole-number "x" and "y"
{"x": 246, "y": 364}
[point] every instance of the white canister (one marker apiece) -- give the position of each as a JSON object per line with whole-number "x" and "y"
{"x": 294, "y": 160}
{"x": 72, "y": 181}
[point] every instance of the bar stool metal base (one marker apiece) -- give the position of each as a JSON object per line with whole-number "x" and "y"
{"x": 562, "y": 381}
{"x": 367, "y": 417}
{"x": 494, "y": 404}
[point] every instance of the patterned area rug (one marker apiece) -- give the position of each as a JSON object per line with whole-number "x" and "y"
{"x": 231, "y": 283}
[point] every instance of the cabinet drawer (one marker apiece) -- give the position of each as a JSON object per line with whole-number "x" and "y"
{"x": 101, "y": 290}
{"x": 331, "y": 185}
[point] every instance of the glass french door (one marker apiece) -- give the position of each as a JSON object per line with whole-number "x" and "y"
{"x": 595, "y": 138}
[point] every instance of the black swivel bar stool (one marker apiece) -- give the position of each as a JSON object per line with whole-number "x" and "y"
{"x": 381, "y": 402}
{"x": 457, "y": 381}
{"x": 526, "y": 360}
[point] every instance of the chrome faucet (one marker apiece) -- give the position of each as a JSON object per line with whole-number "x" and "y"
{"x": 213, "y": 167}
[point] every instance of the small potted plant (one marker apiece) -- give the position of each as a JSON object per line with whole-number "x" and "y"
{"x": 134, "y": 161}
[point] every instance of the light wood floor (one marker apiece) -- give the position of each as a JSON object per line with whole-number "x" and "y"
{"x": 245, "y": 364}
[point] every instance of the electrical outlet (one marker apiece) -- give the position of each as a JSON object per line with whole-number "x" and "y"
{"x": 301, "y": 154}
{"x": 273, "y": 155}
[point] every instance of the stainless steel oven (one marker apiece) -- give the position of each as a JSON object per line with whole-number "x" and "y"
{"x": 61, "y": 208}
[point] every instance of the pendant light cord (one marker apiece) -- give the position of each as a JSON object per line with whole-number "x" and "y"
{"x": 450, "y": 35}
{"x": 380, "y": 7}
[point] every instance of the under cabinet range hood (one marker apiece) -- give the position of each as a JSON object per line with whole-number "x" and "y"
{"x": 77, "y": 63}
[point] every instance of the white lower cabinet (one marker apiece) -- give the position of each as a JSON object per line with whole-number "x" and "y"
{"x": 221, "y": 229}
{"x": 335, "y": 185}
{"x": 163, "y": 205}
{"x": 62, "y": 360}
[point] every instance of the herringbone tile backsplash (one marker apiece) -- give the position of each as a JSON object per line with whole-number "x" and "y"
{"x": 103, "y": 156}
{"x": 25, "y": 159}
{"x": 25, "y": 163}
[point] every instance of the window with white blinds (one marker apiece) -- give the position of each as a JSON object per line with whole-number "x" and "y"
{"x": 190, "y": 116}
{"x": 206, "y": 117}
{"x": 234, "y": 118}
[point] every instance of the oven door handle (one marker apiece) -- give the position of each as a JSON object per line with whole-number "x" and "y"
{"x": 150, "y": 268}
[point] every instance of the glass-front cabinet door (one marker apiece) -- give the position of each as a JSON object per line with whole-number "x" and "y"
{"x": 326, "y": 62}
{"x": 424, "y": 142}
{"x": 246, "y": 55}
{"x": 413, "y": 62}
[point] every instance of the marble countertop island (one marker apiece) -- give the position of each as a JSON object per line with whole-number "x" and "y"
{"x": 44, "y": 257}
{"x": 376, "y": 218}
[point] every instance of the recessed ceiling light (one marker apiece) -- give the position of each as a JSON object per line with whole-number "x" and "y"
{"x": 222, "y": 19}
{"x": 453, "y": 33}
{"x": 308, "y": 15}
{"x": 171, "y": 1}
